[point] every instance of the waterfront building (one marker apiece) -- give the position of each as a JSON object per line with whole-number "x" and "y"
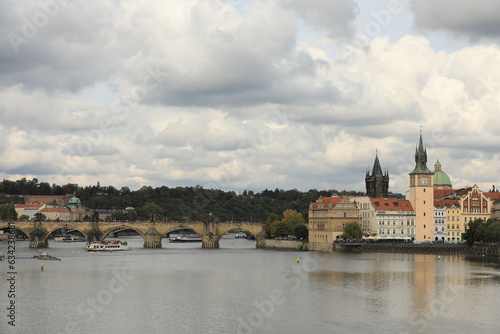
{"x": 454, "y": 226}
{"x": 395, "y": 218}
{"x": 367, "y": 218}
{"x": 327, "y": 219}
{"x": 475, "y": 205}
{"x": 422, "y": 195}
{"x": 29, "y": 209}
{"x": 59, "y": 213}
{"x": 377, "y": 183}
{"x": 494, "y": 196}
{"x": 439, "y": 221}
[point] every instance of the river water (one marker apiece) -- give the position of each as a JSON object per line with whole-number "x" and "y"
{"x": 182, "y": 288}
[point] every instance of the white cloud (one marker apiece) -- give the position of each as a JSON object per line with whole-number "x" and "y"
{"x": 230, "y": 98}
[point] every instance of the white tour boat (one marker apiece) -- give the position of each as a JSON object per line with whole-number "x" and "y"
{"x": 69, "y": 238}
{"x": 108, "y": 245}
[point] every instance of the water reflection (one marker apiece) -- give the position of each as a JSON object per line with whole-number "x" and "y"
{"x": 185, "y": 289}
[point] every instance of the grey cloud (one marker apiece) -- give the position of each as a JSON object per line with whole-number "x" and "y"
{"x": 35, "y": 168}
{"x": 474, "y": 20}
{"x": 334, "y": 17}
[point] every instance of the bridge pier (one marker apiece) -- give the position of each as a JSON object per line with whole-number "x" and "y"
{"x": 38, "y": 243}
{"x": 209, "y": 241}
{"x": 38, "y": 238}
{"x": 152, "y": 239}
{"x": 261, "y": 242}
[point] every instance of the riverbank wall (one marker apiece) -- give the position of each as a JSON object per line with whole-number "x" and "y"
{"x": 285, "y": 244}
{"x": 364, "y": 247}
{"x": 410, "y": 248}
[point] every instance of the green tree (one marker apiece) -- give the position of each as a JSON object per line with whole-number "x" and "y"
{"x": 352, "y": 231}
{"x": 152, "y": 211}
{"x": 8, "y": 212}
{"x": 280, "y": 229}
{"x": 292, "y": 219}
{"x": 39, "y": 217}
{"x": 269, "y": 222}
{"x": 474, "y": 231}
{"x": 119, "y": 215}
{"x": 131, "y": 215}
{"x": 301, "y": 231}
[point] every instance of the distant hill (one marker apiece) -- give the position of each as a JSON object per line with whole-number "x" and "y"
{"x": 179, "y": 203}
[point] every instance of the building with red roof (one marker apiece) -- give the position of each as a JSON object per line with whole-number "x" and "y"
{"x": 393, "y": 218}
{"x": 29, "y": 209}
{"x": 327, "y": 218}
{"x": 59, "y": 214}
{"x": 495, "y": 199}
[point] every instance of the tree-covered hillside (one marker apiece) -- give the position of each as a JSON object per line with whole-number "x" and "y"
{"x": 179, "y": 203}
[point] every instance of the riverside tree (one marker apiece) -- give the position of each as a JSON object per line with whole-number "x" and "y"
{"x": 483, "y": 231}
{"x": 352, "y": 231}
{"x": 292, "y": 223}
{"x": 7, "y": 212}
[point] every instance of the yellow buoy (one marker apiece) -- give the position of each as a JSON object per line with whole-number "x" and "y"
{"x": 298, "y": 259}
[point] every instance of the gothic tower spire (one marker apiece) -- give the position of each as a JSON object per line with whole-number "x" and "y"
{"x": 421, "y": 158}
{"x": 377, "y": 184}
{"x": 377, "y": 170}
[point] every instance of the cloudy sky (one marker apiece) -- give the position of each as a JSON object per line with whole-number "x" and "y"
{"x": 248, "y": 94}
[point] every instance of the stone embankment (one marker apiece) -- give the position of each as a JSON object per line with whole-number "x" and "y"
{"x": 410, "y": 248}
{"x": 285, "y": 244}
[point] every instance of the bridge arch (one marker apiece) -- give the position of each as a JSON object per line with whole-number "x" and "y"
{"x": 106, "y": 232}
{"x": 180, "y": 228}
{"x": 52, "y": 230}
{"x": 196, "y": 227}
{"x": 5, "y": 226}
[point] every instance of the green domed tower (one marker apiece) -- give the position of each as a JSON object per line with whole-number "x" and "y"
{"x": 76, "y": 208}
{"x": 74, "y": 202}
{"x": 441, "y": 179}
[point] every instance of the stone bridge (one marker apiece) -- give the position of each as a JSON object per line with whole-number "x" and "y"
{"x": 152, "y": 232}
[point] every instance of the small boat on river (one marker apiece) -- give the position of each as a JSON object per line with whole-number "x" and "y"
{"x": 44, "y": 256}
{"x": 185, "y": 238}
{"x": 108, "y": 245}
{"x": 69, "y": 238}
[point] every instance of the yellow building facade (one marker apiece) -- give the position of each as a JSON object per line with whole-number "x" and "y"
{"x": 454, "y": 226}
{"x": 327, "y": 219}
